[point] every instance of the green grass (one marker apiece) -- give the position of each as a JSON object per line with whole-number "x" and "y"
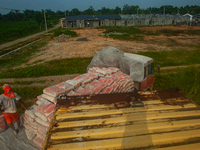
{"x": 21, "y": 56}
{"x": 131, "y": 33}
{"x": 19, "y": 82}
{"x": 54, "y": 67}
{"x": 186, "y": 79}
{"x": 12, "y": 30}
{"x": 174, "y": 58}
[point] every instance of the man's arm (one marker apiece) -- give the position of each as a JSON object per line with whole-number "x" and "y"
{"x": 22, "y": 104}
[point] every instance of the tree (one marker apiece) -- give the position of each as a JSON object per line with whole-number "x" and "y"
{"x": 38, "y": 16}
{"x": 126, "y": 9}
{"x": 105, "y": 11}
{"x": 75, "y": 12}
{"x": 133, "y": 9}
{"x": 117, "y": 10}
{"x": 1, "y": 16}
{"x": 89, "y": 11}
{"x": 28, "y": 14}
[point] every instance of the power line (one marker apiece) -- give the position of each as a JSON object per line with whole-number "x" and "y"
{"x": 11, "y": 9}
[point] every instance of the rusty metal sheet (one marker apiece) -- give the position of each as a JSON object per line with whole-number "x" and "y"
{"x": 160, "y": 120}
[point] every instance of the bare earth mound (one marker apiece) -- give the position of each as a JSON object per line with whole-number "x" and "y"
{"x": 95, "y": 42}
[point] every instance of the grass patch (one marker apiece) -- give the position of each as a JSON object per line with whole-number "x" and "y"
{"x": 21, "y": 56}
{"x": 28, "y": 96}
{"x": 131, "y": 33}
{"x": 186, "y": 79}
{"x": 174, "y": 58}
{"x": 12, "y": 30}
{"x": 20, "y": 82}
{"x": 54, "y": 67}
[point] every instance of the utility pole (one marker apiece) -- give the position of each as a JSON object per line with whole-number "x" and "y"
{"x": 65, "y": 14}
{"x": 45, "y": 20}
{"x": 137, "y": 11}
{"x": 164, "y": 17}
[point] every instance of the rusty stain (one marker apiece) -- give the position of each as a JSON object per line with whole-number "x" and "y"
{"x": 56, "y": 125}
{"x": 103, "y": 122}
{"x": 72, "y": 103}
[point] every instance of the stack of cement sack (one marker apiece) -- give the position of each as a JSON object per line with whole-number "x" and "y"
{"x": 37, "y": 121}
{"x": 96, "y": 81}
{"x": 101, "y": 81}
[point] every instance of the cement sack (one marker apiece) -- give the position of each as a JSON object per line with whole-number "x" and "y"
{"x": 91, "y": 76}
{"x": 107, "y": 57}
{"x": 107, "y": 90}
{"x": 40, "y": 121}
{"x": 46, "y": 109}
{"x": 72, "y": 93}
{"x": 84, "y": 91}
{"x": 38, "y": 102}
{"x": 39, "y": 140}
{"x": 32, "y": 124}
{"x": 66, "y": 86}
{"x": 100, "y": 70}
{"x": 28, "y": 119}
{"x": 42, "y": 132}
{"x": 95, "y": 83}
{"x": 3, "y": 124}
{"x": 30, "y": 134}
{"x": 53, "y": 91}
{"x": 41, "y": 116}
{"x": 49, "y": 98}
{"x": 39, "y": 97}
{"x": 43, "y": 128}
{"x": 113, "y": 69}
{"x": 74, "y": 83}
{"x": 50, "y": 117}
{"x": 28, "y": 127}
{"x": 31, "y": 112}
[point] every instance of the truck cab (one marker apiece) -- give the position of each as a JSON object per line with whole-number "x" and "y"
{"x": 143, "y": 75}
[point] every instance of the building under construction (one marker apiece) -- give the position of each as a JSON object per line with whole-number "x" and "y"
{"x": 125, "y": 20}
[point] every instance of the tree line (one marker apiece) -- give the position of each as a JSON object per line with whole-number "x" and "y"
{"x": 38, "y": 16}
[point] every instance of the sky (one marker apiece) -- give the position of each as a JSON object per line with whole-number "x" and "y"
{"x": 82, "y": 5}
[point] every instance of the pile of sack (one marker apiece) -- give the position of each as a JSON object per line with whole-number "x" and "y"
{"x": 37, "y": 120}
{"x": 96, "y": 81}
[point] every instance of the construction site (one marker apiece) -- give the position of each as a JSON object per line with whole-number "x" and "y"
{"x": 113, "y": 104}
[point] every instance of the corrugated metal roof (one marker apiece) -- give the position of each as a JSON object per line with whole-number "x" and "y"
{"x": 165, "y": 120}
{"x": 86, "y": 17}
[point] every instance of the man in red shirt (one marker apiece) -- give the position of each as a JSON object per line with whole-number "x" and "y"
{"x": 10, "y": 111}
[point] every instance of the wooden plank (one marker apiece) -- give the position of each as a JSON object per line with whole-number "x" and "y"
{"x": 131, "y": 142}
{"x": 121, "y": 111}
{"x": 125, "y": 131}
{"x": 126, "y": 118}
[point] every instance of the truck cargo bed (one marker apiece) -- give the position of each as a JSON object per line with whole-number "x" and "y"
{"x": 160, "y": 120}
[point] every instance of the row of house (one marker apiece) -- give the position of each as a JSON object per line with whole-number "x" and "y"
{"x": 124, "y": 20}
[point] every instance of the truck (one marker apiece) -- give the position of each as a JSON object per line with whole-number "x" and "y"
{"x": 142, "y": 119}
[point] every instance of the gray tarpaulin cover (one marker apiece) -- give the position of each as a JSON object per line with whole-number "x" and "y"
{"x": 107, "y": 57}
{"x": 131, "y": 64}
{"x": 10, "y": 141}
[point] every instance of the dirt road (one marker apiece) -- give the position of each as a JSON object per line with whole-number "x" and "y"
{"x": 26, "y": 38}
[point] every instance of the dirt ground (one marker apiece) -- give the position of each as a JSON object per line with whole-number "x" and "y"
{"x": 95, "y": 42}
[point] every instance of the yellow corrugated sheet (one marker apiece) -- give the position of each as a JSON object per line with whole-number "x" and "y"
{"x": 155, "y": 125}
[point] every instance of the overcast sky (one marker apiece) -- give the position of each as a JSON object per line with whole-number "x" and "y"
{"x": 64, "y": 5}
